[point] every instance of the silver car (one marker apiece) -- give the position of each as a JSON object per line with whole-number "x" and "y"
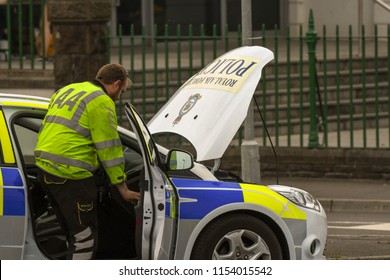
{"x": 186, "y": 211}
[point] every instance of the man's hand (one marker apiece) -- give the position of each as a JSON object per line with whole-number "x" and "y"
{"x": 127, "y": 194}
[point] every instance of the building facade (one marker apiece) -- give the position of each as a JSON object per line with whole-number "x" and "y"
{"x": 271, "y": 13}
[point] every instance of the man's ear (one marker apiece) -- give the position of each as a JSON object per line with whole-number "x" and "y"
{"x": 117, "y": 84}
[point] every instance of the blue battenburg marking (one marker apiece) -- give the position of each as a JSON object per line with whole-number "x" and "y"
{"x": 189, "y": 183}
{"x": 209, "y": 195}
{"x": 11, "y": 177}
{"x": 14, "y": 202}
{"x": 13, "y": 198}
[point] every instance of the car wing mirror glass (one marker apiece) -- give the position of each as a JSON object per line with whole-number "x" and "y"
{"x": 179, "y": 160}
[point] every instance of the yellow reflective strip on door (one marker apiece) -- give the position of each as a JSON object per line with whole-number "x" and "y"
{"x": 5, "y": 141}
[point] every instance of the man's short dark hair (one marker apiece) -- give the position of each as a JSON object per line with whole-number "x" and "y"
{"x": 110, "y": 73}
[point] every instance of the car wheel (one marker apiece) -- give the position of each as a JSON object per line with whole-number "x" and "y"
{"x": 237, "y": 237}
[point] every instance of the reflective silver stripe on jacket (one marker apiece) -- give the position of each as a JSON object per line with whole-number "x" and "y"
{"x": 108, "y": 144}
{"x": 69, "y": 124}
{"x": 111, "y": 111}
{"x": 111, "y": 118}
{"x": 113, "y": 162}
{"x": 73, "y": 123}
{"x": 64, "y": 160}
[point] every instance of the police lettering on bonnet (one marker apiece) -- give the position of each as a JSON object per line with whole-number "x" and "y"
{"x": 225, "y": 74}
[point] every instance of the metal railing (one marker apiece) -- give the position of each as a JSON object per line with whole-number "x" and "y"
{"x": 350, "y": 92}
{"x": 338, "y": 83}
{"x": 23, "y": 34}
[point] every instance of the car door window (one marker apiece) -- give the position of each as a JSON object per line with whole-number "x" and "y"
{"x": 147, "y": 139}
{"x": 27, "y": 140}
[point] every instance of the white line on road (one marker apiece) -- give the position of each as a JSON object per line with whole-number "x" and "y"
{"x": 350, "y": 222}
{"x": 377, "y": 226}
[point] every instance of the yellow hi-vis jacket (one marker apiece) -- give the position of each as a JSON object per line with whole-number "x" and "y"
{"x": 79, "y": 131}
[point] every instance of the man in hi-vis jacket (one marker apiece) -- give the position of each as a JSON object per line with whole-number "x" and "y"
{"x": 79, "y": 132}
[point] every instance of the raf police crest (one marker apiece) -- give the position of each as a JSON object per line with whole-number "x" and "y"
{"x": 190, "y": 103}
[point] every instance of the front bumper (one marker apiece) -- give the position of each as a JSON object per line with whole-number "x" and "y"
{"x": 313, "y": 246}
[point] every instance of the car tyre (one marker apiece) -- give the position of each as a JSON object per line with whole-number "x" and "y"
{"x": 237, "y": 237}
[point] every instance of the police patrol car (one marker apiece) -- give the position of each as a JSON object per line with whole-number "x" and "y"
{"x": 185, "y": 211}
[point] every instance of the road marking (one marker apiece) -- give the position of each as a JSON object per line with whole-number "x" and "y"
{"x": 376, "y": 226}
{"x": 382, "y": 257}
{"x": 356, "y": 223}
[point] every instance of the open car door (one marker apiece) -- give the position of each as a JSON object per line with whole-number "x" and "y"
{"x": 150, "y": 211}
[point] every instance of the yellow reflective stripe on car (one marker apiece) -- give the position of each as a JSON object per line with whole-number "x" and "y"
{"x": 5, "y": 141}
{"x": 25, "y": 104}
{"x": 172, "y": 208}
{"x": 278, "y": 204}
{"x": 293, "y": 212}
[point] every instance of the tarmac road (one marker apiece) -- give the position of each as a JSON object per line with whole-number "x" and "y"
{"x": 358, "y": 236}
{"x": 358, "y": 214}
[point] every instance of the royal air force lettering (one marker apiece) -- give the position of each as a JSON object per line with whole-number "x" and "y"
{"x": 227, "y": 74}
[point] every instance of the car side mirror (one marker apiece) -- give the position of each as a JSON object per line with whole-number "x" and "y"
{"x": 179, "y": 160}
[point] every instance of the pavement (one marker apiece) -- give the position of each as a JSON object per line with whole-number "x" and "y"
{"x": 343, "y": 195}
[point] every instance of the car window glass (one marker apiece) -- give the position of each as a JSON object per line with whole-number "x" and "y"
{"x": 132, "y": 155}
{"x": 26, "y": 130}
{"x": 27, "y": 141}
{"x": 147, "y": 138}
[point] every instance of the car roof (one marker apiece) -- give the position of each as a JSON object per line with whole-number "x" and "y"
{"x": 19, "y": 100}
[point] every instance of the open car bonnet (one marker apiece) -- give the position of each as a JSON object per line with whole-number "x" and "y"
{"x": 210, "y": 107}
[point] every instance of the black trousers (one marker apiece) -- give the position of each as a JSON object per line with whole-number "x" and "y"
{"x": 75, "y": 204}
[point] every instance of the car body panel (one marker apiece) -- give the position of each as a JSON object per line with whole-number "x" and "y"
{"x": 200, "y": 202}
{"x": 189, "y": 230}
{"x": 13, "y": 202}
{"x": 12, "y": 213}
{"x": 211, "y": 195}
{"x": 5, "y": 141}
{"x": 211, "y": 106}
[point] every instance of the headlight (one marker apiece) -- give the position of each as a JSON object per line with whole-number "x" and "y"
{"x": 298, "y": 197}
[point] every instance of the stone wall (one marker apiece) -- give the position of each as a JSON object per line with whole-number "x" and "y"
{"x": 79, "y": 30}
{"x": 317, "y": 163}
